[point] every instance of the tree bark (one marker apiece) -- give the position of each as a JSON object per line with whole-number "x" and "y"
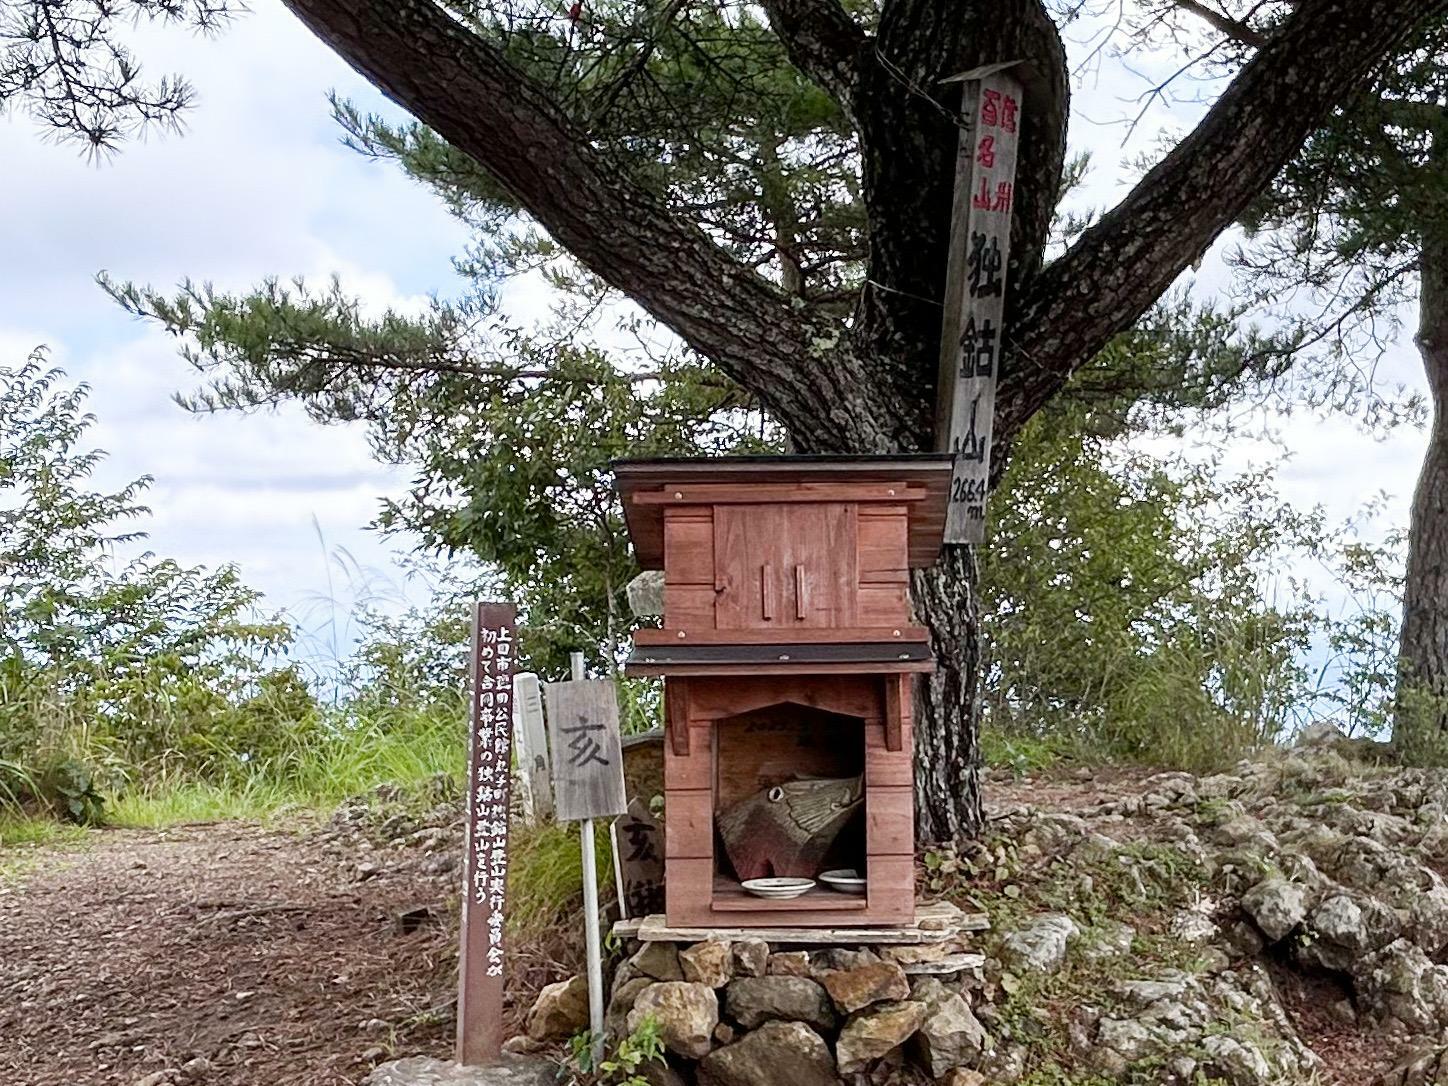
{"x": 947, "y": 701}
{"x": 1421, "y": 716}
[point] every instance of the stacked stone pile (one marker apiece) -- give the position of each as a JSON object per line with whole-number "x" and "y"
{"x": 750, "y": 1013}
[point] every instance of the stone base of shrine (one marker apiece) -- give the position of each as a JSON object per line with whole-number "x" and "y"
{"x": 806, "y": 1006}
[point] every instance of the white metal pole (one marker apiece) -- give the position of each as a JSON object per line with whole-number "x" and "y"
{"x": 590, "y": 914}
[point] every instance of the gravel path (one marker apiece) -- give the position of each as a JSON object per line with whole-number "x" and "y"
{"x": 218, "y": 955}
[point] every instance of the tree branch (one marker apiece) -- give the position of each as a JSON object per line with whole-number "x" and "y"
{"x": 463, "y": 87}
{"x": 822, "y": 41}
{"x": 1323, "y": 52}
{"x": 1233, "y": 28}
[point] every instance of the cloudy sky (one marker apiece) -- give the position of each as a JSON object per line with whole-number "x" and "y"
{"x": 261, "y": 186}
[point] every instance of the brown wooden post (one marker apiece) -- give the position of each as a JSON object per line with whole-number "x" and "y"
{"x": 490, "y": 775}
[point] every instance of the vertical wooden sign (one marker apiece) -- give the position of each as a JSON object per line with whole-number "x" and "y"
{"x": 975, "y": 289}
{"x": 490, "y": 770}
{"x": 638, "y": 860}
{"x": 532, "y": 740}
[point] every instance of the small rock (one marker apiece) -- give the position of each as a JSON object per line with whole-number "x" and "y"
{"x": 1241, "y": 1064}
{"x": 751, "y": 957}
{"x": 776, "y": 1054}
{"x": 962, "y": 1077}
{"x": 158, "y": 1078}
{"x": 615, "y": 1017}
{"x": 880, "y": 1030}
{"x": 1276, "y": 906}
{"x": 724, "y": 1034}
{"x": 686, "y": 1013}
{"x": 788, "y": 963}
{"x": 1126, "y": 1037}
{"x": 1040, "y": 947}
{"x": 853, "y": 989}
{"x": 710, "y": 963}
{"x": 658, "y": 960}
{"x": 560, "y": 1011}
{"x": 523, "y": 1045}
{"x": 752, "y": 1001}
{"x": 950, "y": 1037}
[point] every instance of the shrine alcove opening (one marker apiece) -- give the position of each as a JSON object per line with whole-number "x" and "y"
{"x": 789, "y": 794}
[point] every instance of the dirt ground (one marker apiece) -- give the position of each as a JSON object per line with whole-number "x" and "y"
{"x": 249, "y": 956}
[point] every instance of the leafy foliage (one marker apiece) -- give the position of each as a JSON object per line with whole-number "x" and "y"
{"x": 107, "y": 666}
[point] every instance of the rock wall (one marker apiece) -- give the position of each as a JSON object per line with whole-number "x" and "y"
{"x": 751, "y": 1013}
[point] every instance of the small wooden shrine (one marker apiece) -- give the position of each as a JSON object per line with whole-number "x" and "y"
{"x": 787, "y": 654}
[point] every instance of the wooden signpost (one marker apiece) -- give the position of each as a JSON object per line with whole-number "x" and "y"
{"x": 638, "y": 861}
{"x": 532, "y": 739}
{"x": 588, "y": 783}
{"x": 490, "y": 770}
{"x": 975, "y": 289}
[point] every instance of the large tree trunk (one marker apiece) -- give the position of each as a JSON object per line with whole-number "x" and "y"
{"x": 1421, "y": 718}
{"x": 947, "y": 702}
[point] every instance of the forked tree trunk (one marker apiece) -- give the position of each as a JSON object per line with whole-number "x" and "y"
{"x": 1421, "y": 717}
{"x": 947, "y": 701}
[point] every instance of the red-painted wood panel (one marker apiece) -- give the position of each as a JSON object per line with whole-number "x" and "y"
{"x": 884, "y": 546}
{"x": 689, "y": 547}
{"x": 688, "y": 606}
{"x": 890, "y": 888}
{"x": 848, "y": 695}
{"x": 694, "y": 770}
{"x": 785, "y": 566}
{"x": 689, "y": 824}
{"x": 890, "y": 821}
{"x": 888, "y": 768}
{"x": 883, "y": 605}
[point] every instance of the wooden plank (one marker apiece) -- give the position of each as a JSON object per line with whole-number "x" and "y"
{"x": 897, "y": 710}
{"x": 884, "y": 551}
{"x": 696, "y": 494}
{"x": 890, "y": 823}
{"x": 689, "y": 607}
{"x": 676, "y": 717}
{"x": 587, "y": 754}
{"x": 714, "y": 699}
{"x": 689, "y": 824}
{"x": 884, "y": 606}
{"x": 688, "y": 887}
{"x": 884, "y": 667}
{"x": 532, "y": 739}
{"x": 933, "y": 923}
{"x": 692, "y": 769}
{"x": 974, "y": 316}
{"x": 897, "y": 632}
{"x": 884, "y": 767}
{"x": 890, "y": 887}
{"x": 493, "y": 661}
{"x": 729, "y": 897}
{"x": 689, "y": 548}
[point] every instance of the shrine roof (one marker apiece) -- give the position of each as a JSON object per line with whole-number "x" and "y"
{"x": 928, "y": 471}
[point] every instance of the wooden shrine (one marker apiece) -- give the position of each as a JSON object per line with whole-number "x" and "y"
{"x": 787, "y": 653}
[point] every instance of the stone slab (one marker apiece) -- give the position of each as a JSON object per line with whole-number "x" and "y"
{"x": 425, "y": 1071}
{"x": 934, "y": 923}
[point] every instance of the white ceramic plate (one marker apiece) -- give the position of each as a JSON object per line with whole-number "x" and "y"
{"x": 845, "y": 879}
{"x": 778, "y": 889}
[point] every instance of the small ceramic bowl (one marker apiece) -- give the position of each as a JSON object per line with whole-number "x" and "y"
{"x": 845, "y": 879}
{"x": 778, "y": 889}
